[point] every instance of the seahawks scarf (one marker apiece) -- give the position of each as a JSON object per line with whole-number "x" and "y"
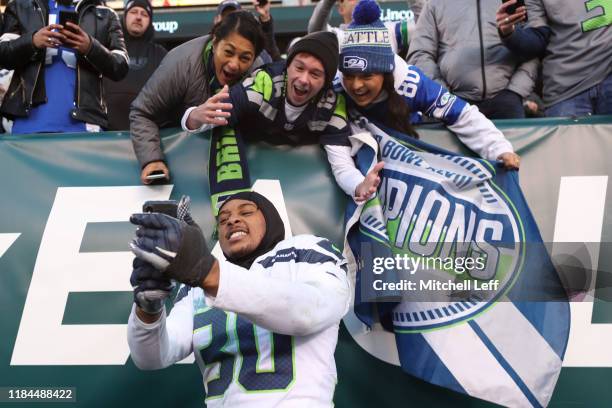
{"x": 228, "y": 171}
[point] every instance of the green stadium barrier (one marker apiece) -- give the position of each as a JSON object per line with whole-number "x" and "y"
{"x": 64, "y": 265}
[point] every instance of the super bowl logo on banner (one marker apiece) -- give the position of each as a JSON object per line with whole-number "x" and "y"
{"x": 459, "y": 238}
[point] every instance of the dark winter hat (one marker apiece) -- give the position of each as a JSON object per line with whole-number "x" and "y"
{"x": 324, "y": 46}
{"x": 275, "y": 228}
{"x": 225, "y": 4}
{"x": 140, "y": 3}
{"x": 366, "y": 46}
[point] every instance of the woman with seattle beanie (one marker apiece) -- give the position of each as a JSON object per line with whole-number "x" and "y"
{"x": 382, "y": 87}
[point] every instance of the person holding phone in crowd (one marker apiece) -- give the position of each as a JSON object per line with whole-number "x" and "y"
{"x": 263, "y": 322}
{"x": 463, "y": 52}
{"x": 574, "y": 40}
{"x": 380, "y": 86}
{"x": 58, "y": 68}
{"x": 188, "y": 76}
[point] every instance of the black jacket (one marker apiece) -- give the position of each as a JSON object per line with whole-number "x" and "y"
{"x": 145, "y": 57}
{"x": 106, "y": 57}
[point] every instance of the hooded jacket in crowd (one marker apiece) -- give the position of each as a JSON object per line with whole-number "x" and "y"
{"x": 145, "y": 57}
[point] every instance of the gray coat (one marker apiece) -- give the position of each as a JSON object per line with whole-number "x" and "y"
{"x": 456, "y": 44}
{"x": 178, "y": 83}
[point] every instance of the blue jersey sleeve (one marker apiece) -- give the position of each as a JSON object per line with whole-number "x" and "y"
{"x": 428, "y": 97}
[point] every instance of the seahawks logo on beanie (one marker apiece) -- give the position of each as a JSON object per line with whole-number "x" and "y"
{"x": 354, "y": 62}
{"x": 366, "y": 46}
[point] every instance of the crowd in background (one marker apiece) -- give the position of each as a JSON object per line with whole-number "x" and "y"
{"x": 548, "y": 57}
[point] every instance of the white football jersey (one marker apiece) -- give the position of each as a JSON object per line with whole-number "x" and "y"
{"x": 269, "y": 336}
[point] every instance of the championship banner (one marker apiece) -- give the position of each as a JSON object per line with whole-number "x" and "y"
{"x": 449, "y": 253}
{"x": 65, "y": 263}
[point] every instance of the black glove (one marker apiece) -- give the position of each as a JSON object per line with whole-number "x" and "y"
{"x": 151, "y": 288}
{"x": 173, "y": 246}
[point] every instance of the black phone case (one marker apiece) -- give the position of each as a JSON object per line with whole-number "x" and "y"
{"x": 165, "y": 207}
{"x": 512, "y": 9}
{"x": 65, "y": 16}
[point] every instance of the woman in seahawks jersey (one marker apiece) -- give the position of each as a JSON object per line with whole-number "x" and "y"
{"x": 383, "y": 88}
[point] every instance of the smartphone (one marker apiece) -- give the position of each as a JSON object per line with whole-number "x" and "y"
{"x": 512, "y": 9}
{"x": 169, "y": 207}
{"x": 65, "y": 16}
{"x": 157, "y": 175}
